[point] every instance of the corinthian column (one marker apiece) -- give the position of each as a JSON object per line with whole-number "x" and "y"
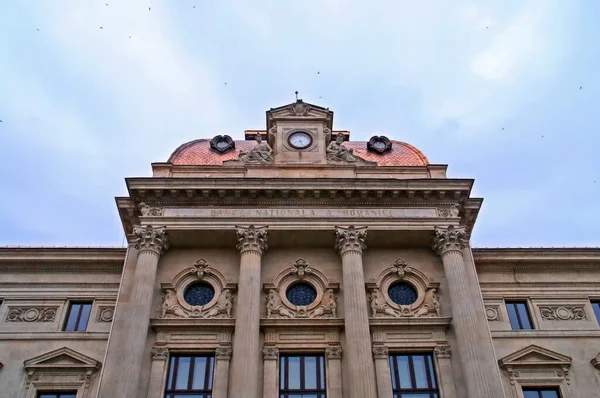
{"x": 475, "y": 347}
{"x": 125, "y": 351}
{"x": 350, "y": 243}
{"x": 245, "y": 367}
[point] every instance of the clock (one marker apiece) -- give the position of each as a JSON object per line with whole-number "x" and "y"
{"x": 300, "y": 140}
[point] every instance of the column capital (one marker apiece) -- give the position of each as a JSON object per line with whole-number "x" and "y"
{"x": 449, "y": 239}
{"x": 251, "y": 238}
{"x": 159, "y": 353}
{"x": 270, "y": 352}
{"x": 350, "y": 239}
{"x": 380, "y": 351}
{"x": 333, "y": 352}
{"x": 223, "y": 352}
{"x": 443, "y": 351}
{"x": 151, "y": 239}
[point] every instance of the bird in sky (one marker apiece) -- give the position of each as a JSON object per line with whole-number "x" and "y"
{"x": 101, "y": 27}
{"x": 580, "y": 87}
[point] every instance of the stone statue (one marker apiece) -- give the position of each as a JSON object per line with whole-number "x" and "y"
{"x": 261, "y": 153}
{"x": 337, "y": 151}
{"x": 378, "y": 305}
{"x": 223, "y": 306}
{"x": 328, "y": 305}
{"x": 275, "y": 306}
{"x": 171, "y": 306}
{"x": 431, "y": 304}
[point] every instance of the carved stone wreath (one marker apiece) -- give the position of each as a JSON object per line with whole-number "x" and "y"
{"x": 278, "y": 305}
{"x": 427, "y": 303}
{"x": 221, "y": 304}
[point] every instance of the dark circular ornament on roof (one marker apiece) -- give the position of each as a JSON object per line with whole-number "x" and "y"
{"x": 199, "y": 294}
{"x": 379, "y": 144}
{"x": 402, "y": 293}
{"x": 301, "y": 294}
{"x": 222, "y": 143}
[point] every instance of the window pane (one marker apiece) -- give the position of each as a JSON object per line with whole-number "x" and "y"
{"x": 282, "y": 362}
{"x": 393, "y": 372}
{"x": 403, "y": 371}
{"x": 44, "y": 395}
{"x": 424, "y": 395}
{"x": 72, "y": 320}
{"x": 531, "y": 394}
{"x": 199, "y": 373}
{"x": 310, "y": 373}
{"x": 171, "y": 368}
{"x": 524, "y": 315}
{"x": 322, "y": 364}
{"x": 431, "y": 371}
{"x": 596, "y": 306}
{"x": 183, "y": 373}
{"x": 512, "y": 315}
{"x": 549, "y": 394}
{"x": 85, "y": 316}
{"x": 420, "y": 372}
{"x": 211, "y": 365}
{"x": 294, "y": 373}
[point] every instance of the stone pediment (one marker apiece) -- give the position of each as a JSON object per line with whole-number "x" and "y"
{"x": 62, "y": 358}
{"x": 300, "y": 110}
{"x": 535, "y": 356}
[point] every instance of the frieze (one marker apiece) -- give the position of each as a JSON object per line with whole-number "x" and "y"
{"x": 562, "y": 313}
{"x": 262, "y": 213}
{"x": 31, "y": 314}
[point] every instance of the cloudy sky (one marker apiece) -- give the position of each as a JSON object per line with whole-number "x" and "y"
{"x": 506, "y": 92}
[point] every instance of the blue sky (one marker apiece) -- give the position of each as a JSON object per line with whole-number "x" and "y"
{"x": 491, "y": 88}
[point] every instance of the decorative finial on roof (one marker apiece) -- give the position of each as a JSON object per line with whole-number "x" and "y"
{"x": 296, "y": 92}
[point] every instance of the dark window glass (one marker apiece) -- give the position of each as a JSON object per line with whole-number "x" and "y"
{"x": 302, "y": 376}
{"x": 541, "y": 393}
{"x": 413, "y": 376}
{"x": 78, "y": 317}
{"x": 69, "y": 394}
{"x": 199, "y": 294}
{"x": 190, "y": 376}
{"x": 596, "y": 307}
{"x": 402, "y": 293}
{"x": 518, "y": 315}
{"x": 301, "y": 294}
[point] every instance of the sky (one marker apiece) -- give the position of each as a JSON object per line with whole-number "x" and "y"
{"x": 505, "y": 92}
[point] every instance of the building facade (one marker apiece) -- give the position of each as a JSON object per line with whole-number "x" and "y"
{"x": 299, "y": 263}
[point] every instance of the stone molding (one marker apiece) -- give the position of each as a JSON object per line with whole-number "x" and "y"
{"x": 493, "y": 313}
{"x": 333, "y": 351}
{"x": 159, "y": 352}
{"x": 562, "y": 312}
{"x": 105, "y": 314}
{"x": 449, "y": 239}
{"x": 251, "y": 238}
{"x": 270, "y": 352}
{"x": 535, "y": 364}
{"x": 146, "y": 210}
{"x": 223, "y": 351}
{"x": 69, "y": 266}
{"x": 426, "y": 305}
{"x": 220, "y": 306}
{"x": 151, "y": 239}
{"x": 380, "y": 351}
{"x": 443, "y": 351}
{"x": 324, "y": 305}
{"x": 350, "y": 238}
{"x": 31, "y": 314}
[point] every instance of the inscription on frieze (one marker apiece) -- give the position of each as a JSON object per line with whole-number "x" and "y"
{"x": 301, "y": 213}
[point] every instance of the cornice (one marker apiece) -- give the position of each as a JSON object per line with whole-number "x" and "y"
{"x": 296, "y": 323}
{"x": 177, "y": 323}
{"x": 536, "y": 333}
{"x": 85, "y": 336}
{"x": 541, "y": 254}
{"x": 403, "y": 323}
{"x": 49, "y": 254}
{"x": 50, "y": 267}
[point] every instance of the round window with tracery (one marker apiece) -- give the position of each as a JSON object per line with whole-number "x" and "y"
{"x": 301, "y": 294}
{"x": 199, "y": 294}
{"x": 402, "y": 293}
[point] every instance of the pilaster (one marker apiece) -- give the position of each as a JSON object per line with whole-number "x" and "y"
{"x": 333, "y": 354}
{"x": 221, "y": 379}
{"x": 158, "y": 368}
{"x": 381, "y": 356}
{"x": 270, "y": 359}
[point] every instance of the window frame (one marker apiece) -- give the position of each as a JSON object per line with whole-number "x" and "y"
{"x": 539, "y": 390}
{"x": 171, "y": 375}
{"x": 56, "y": 393}
{"x": 82, "y": 303}
{"x": 433, "y": 389}
{"x": 595, "y": 303}
{"x": 514, "y": 303}
{"x": 321, "y": 380}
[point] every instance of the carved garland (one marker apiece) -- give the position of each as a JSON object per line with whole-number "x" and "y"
{"x": 278, "y": 306}
{"x": 426, "y": 305}
{"x": 175, "y": 306}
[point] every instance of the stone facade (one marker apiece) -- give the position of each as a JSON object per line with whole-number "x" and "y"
{"x": 299, "y": 242}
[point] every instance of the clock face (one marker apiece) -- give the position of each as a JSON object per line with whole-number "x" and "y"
{"x": 300, "y": 140}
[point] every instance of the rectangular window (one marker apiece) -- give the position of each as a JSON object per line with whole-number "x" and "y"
{"x": 78, "y": 317}
{"x": 519, "y": 315}
{"x": 62, "y": 394}
{"x": 596, "y": 307}
{"x": 190, "y": 376}
{"x": 541, "y": 393}
{"x": 302, "y": 376}
{"x": 413, "y": 376}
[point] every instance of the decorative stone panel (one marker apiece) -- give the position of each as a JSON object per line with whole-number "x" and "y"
{"x": 278, "y": 304}
{"x": 562, "y": 313}
{"x": 492, "y": 312}
{"x": 105, "y": 314}
{"x": 219, "y": 306}
{"x": 427, "y": 303}
{"x": 31, "y": 314}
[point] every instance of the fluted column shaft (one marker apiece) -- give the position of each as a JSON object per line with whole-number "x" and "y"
{"x": 245, "y": 367}
{"x": 125, "y": 352}
{"x": 475, "y": 346}
{"x": 350, "y": 243}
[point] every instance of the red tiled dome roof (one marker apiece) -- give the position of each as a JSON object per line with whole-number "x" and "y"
{"x": 198, "y": 152}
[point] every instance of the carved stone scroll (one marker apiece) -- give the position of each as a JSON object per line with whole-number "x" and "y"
{"x": 562, "y": 313}
{"x": 31, "y": 314}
